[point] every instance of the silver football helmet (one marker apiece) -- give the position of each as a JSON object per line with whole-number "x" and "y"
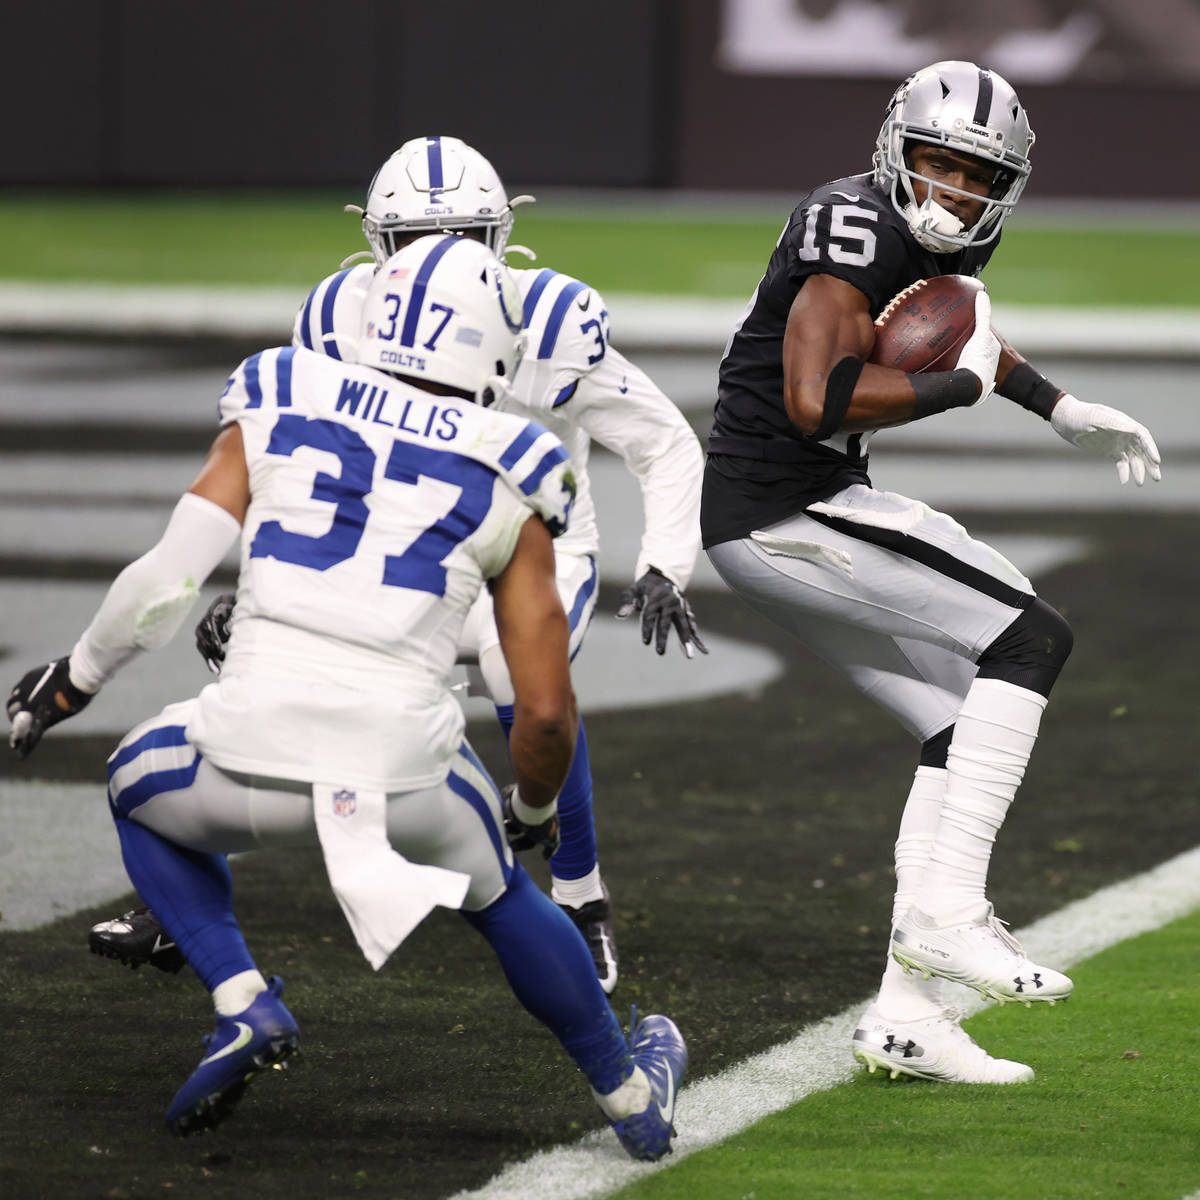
{"x": 445, "y": 309}
{"x": 436, "y": 184}
{"x": 968, "y": 109}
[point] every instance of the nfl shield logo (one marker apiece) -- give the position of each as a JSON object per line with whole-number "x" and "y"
{"x": 344, "y": 803}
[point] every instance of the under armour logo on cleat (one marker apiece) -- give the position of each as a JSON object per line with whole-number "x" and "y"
{"x": 907, "y": 1048}
{"x": 1036, "y": 982}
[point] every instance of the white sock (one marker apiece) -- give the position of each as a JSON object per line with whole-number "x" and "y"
{"x": 909, "y": 997}
{"x": 633, "y": 1096}
{"x": 993, "y": 738}
{"x": 237, "y": 993}
{"x": 577, "y": 892}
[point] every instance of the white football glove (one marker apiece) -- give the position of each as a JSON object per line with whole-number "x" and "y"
{"x": 981, "y": 354}
{"x": 1109, "y": 433}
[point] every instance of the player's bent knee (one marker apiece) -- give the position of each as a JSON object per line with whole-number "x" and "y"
{"x": 1031, "y": 651}
{"x": 935, "y": 750}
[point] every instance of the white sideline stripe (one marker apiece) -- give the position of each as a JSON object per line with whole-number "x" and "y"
{"x": 640, "y": 322}
{"x": 714, "y": 1109}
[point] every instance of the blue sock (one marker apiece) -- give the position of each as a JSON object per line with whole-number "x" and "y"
{"x": 577, "y": 850}
{"x": 577, "y": 828}
{"x": 191, "y": 894}
{"x": 551, "y": 973}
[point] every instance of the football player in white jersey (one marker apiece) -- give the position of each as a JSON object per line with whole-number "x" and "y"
{"x": 581, "y": 388}
{"x": 374, "y": 498}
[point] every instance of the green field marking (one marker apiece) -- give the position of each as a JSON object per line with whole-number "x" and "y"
{"x": 294, "y": 239}
{"x": 1111, "y": 1113}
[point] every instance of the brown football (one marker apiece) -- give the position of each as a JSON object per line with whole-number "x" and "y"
{"x": 924, "y": 327}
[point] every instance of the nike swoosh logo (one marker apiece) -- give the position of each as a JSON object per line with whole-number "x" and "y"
{"x": 245, "y": 1033}
{"x": 624, "y": 386}
{"x": 848, "y": 195}
{"x": 584, "y": 301}
{"x": 667, "y": 1111}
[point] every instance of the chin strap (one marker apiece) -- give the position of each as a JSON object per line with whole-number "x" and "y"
{"x": 932, "y": 225}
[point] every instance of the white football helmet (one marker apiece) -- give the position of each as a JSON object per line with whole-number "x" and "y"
{"x": 432, "y": 184}
{"x": 968, "y": 109}
{"x": 445, "y": 309}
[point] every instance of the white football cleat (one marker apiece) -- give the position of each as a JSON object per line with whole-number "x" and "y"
{"x": 980, "y": 953}
{"x": 935, "y": 1048}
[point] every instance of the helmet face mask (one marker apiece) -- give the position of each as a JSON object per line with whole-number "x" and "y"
{"x": 968, "y": 110}
{"x": 432, "y": 185}
{"x": 445, "y": 310}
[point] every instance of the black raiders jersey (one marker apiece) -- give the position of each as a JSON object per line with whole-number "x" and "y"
{"x": 761, "y": 468}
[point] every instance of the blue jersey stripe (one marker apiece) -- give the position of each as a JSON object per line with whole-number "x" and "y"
{"x": 416, "y": 302}
{"x": 581, "y": 598}
{"x": 253, "y": 386}
{"x": 557, "y": 313}
{"x": 163, "y": 735}
{"x": 550, "y": 460}
{"x": 283, "y": 377}
{"x": 565, "y": 394}
{"x": 520, "y": 444}
{"x": 535, "y": 293}
{"x": 328, "y": 341}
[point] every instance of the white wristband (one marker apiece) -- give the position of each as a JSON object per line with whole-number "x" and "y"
{"x": 531, "y": 816}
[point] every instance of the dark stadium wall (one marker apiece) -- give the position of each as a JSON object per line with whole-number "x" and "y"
{"x": 631, "y": 94}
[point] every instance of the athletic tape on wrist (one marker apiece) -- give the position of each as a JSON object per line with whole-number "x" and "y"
{"x": 1024, "y": 386}
{"x": 940, "y": 390}
{"x": 529, "y": 815}
{"x": 839, "y": 390}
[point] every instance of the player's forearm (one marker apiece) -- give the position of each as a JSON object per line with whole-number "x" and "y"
{"x": 1017, "y": 381}
{"x": 671, "y": 501}
{"x": 151, "y": 597}
{"x": 541, "y": 746}
{"x": 852, "y": 398}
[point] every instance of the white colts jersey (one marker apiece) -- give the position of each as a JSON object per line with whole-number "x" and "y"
{"x": 582, "y": 389}
{"x": 377, "y": 511}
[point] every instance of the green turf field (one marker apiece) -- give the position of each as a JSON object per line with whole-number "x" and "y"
{"x": 294, "y": 240}
{"x": 1111, "y": 1113}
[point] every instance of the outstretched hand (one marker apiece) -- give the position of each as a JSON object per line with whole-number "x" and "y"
{"x": 663, "y": 607}
{"x": 1111, "y": 434}
{"x": 41, "y": 698}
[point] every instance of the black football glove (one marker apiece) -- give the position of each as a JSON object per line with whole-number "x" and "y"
{"x": 213, "y": 631}
{"x": 43, "y": 697}
{"x": 525, "y": 837}
{"x": 663, "y": 607}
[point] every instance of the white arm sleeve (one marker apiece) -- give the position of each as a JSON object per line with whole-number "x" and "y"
{"x": 151, "y": 597}
{"x": 619, "y": 406}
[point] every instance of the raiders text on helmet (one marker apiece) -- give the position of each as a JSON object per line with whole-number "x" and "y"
{"x": 445, "y": 309}
{"x": 968, "y": 109}
{"x": 435, "y": 184}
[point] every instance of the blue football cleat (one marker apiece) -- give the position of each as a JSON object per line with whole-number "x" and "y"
{"x": 261, "y": 1036}
{"x": 656, "y": 1046}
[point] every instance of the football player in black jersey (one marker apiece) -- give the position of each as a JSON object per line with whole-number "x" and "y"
{"x": 935, "y": 626}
